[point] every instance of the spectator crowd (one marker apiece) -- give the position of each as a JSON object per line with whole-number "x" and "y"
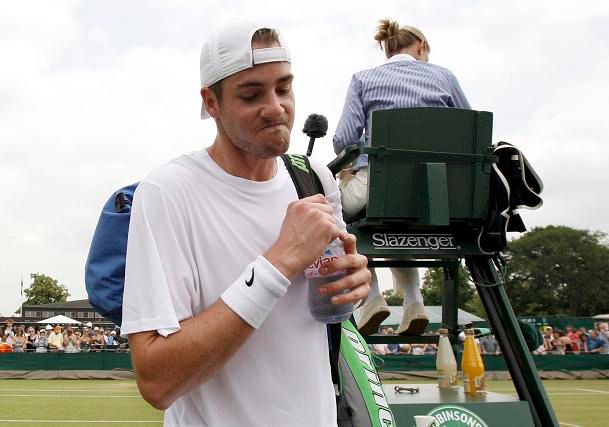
{"x": 486, "y": 344}
{"x": 575, "y": 341}
{"x": 57, "y": 338}
{"x": 555, "y": 341}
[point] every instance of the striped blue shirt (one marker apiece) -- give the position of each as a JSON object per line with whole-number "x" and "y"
{"x": 401, "y": 82}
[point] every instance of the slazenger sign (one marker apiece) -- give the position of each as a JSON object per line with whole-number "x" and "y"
{"x": 413, "y": 241}
{"x": 456, "y": 416}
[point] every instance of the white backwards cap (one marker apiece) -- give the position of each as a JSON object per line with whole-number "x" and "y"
{"x": 229, "y": 50}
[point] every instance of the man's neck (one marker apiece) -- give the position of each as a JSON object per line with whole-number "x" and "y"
{"x": 238, "y": 163}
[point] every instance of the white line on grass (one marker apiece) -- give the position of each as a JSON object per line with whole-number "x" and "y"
{"x": 586, "y": 394}
{"x": 78, "y": 390}
{"x": 96, "y": 396}
{"x": 592, "y": 391}
{"x": 79, "y": 421}
{"x": 569, "y": 425}
{"x": 572, "y": 394}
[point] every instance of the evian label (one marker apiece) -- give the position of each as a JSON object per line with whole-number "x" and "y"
{"x": 456, "y": 416}
{"x": 414, "y": 241}
{"x": 333, "y": 250}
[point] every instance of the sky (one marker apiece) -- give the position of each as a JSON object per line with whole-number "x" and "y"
{"x": 93, "y": 95}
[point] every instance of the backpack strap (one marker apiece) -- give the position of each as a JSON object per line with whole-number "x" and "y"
{"x": 307, "y": 184}
{"x": 305, "y": 179}
{"x": 334, "y": 334}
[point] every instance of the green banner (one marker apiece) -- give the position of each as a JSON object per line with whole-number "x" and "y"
{"x": 569, "y": 362}
{"x": 104, "y": 360}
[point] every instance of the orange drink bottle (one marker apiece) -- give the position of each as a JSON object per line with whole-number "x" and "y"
{"x": 471, "y": 365}
{"x": 446, "y": 364}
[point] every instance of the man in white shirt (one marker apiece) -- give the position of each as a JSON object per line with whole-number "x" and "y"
{"x": 215, "y": 301}
{"x": 56, "y": 339}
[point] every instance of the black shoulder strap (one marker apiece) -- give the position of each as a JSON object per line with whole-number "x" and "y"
{"x": 305, "y": 179}
{"x": 334, "y": 334}
{"x": 307, "y": 184}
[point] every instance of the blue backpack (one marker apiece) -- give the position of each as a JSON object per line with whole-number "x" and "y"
{"x": 105, "y": 268}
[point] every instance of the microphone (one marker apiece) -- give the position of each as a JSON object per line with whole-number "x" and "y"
{"x": 315, "y": 126}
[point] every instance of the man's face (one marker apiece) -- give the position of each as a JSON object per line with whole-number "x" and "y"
{"x": 256, "y": 109}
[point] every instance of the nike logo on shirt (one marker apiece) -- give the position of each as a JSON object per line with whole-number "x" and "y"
{"x": 251, "y": 281}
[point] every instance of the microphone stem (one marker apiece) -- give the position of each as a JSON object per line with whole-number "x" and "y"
{"x": 310, "y": 148}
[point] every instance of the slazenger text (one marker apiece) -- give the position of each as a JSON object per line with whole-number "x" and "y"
{"x": 413, "y": 241}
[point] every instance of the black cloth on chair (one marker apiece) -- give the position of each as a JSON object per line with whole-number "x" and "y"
{"x": 514, "y": 185}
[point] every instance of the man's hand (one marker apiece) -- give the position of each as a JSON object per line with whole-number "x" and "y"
{"x": 309, "y": 225}
{"x": 357, "y": 278}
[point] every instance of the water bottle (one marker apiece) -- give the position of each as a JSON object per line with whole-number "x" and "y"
{"x": 446, "y": 363}
{"x": 320, "y": 306}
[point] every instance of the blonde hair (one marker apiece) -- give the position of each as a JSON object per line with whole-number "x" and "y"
{"x": 397, "y": 38}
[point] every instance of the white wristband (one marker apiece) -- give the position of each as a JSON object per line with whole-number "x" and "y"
{"x": 254, "y": 294}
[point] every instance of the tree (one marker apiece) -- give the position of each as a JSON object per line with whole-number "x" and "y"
{"x": 393, "y": 298}
{"x": 433, "y": 282}
{"x": 557, "y": 270}
{"x": 44, "y": 290}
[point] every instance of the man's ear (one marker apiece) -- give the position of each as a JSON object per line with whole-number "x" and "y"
{"x": 212, "y": 105}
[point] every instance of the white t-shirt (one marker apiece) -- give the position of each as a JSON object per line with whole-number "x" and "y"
{"x": 194, "y": 228}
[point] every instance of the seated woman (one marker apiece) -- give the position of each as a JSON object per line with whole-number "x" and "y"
{"x": 405, "y": 80}
{"x": 32, "y": 335}
{"x": 19, "y": 341}
{"x": 71, "y": 341}
{"x": 84, "y": 342}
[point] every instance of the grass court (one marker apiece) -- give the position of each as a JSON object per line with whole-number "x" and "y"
{"x": 578, "y": 403}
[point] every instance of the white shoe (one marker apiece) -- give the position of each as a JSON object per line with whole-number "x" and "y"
{"x": 373, "y": 312}
{"x": 414, "y": 320}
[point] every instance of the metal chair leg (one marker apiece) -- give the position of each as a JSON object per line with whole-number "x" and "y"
{"x": 503, "y": 321}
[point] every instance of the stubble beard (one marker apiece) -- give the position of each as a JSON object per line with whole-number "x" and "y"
{"x": 271, "y": 147}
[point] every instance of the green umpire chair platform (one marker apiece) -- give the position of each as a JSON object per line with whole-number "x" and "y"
{"x": 429, "y": 184}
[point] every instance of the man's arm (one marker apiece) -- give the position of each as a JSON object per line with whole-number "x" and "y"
{"x": 168, "y": 367}
{"x": 353, "y": 119}
{"x": 595, "y": 350}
